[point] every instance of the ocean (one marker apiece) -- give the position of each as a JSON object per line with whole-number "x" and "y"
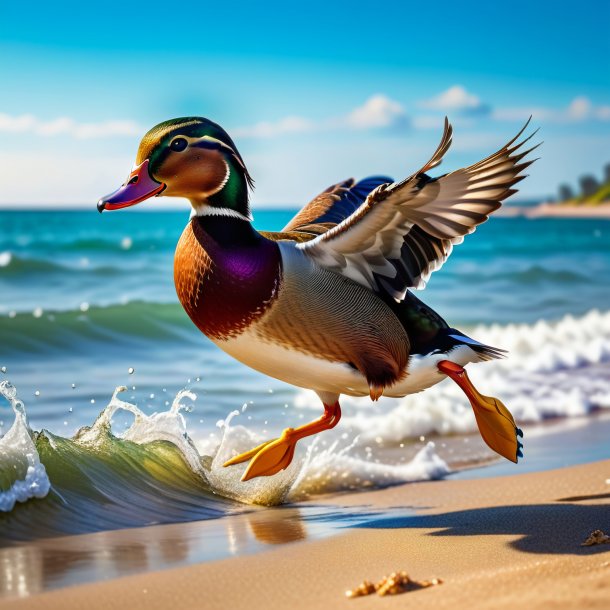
{"x": 87, "y": 305}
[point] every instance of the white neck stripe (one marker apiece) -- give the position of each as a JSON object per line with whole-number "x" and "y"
{"x": 208, "y": 210}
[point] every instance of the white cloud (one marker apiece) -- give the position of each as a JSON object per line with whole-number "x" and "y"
{"x": 580, "y": 109}
{"x": 379, "y": 111}
{"x": 65, "y": 126}
{"x": 456, "y": 99}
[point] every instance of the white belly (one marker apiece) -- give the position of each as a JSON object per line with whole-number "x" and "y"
{"x": 294, "y": 367}
{"x": 308, "y": 371}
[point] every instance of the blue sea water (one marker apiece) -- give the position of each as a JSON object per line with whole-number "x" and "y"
{"x": 87, "y": 303}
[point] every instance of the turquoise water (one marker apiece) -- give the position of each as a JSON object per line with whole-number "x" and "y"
{"x": 87, "y": 304}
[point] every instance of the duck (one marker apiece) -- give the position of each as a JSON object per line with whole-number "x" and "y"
{"x": 328, "y": 302}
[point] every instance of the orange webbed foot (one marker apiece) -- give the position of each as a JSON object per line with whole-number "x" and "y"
{"x": 276, "y": 455}
{"x": 496, "y": 423}
{"x": 269, "y": 458}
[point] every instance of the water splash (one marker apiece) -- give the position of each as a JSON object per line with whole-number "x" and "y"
{"x": 168, "y": 426}
{"x": 22, "y": 475}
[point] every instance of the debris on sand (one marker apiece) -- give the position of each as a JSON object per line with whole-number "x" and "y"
{"x": 596, "y": 537}
{"x": 394, "y": 584}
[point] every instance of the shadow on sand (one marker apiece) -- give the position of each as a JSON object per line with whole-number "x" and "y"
{"x": 543, "y": 528}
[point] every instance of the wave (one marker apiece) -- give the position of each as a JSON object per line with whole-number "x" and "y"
{"x": 43, "y": 331}
{"x": 22, "y": 475}
{"x": 537, "y": 274}
{"x": 14, "y": 266}
{"x": 10, "y": 264}
{"x": 154, "y": 473}
{"x": 89, "y": 245}
{"x": 480, "y": 274}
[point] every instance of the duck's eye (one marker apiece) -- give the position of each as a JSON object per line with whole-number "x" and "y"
{"x": 179, "y": 144}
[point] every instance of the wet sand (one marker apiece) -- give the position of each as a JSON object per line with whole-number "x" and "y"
{"x": 497, "y": 542}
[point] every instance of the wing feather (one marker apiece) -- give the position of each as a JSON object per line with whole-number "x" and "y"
{"x": 405, "y": 230}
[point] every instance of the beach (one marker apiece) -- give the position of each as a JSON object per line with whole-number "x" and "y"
{"x": 496, "y": 543}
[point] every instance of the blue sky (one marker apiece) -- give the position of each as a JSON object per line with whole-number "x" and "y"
{"x": 311, "y": 93}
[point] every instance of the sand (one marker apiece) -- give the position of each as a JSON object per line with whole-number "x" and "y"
{"x": 504, "y": 542}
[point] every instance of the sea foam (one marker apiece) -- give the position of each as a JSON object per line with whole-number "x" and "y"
{"x": 22, "y": 476}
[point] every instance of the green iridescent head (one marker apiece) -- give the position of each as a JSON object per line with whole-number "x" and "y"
{"x": 188, "y": 157}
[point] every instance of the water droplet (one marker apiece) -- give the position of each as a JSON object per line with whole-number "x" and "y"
{"x": 422, "y": 439}
{"x": 37, "y": 313}
{"x": 152, "y": 395}
{"x": 37, "y": 393}
{"x": 84, "y": 307}
{"x": 65, "y": 423}
{"x": 197, "y": 378}
{"x": 70, "y": 409}
{"x": 126, "y": 243}
{"x": 131, "y": 370}
{"x": 73, "y": 386}
{"x": 93, "y": 401}
{"x": 3, "y": 369}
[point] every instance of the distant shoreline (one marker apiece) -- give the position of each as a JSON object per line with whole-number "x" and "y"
{"x": 541, "y": 210}
{"x": 555, "y": 210}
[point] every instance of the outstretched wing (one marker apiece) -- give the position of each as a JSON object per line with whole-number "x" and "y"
{"x": 406, "y": 230}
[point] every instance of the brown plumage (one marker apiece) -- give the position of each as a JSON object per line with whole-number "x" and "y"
{"x": 338, "y": 321}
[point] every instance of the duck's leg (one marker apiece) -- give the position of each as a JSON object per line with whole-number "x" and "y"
{"x": 275, "y": 455}
{"x": 495, "y": 422}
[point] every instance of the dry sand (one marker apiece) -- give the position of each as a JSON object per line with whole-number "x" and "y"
{"x": 505, "y": 542}
{"x": 555, "y": 210}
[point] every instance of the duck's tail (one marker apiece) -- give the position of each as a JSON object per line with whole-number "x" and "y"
{"x": 484, "y": 352}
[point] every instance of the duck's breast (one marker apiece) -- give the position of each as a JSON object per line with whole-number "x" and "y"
{"x": 225, "y": 290}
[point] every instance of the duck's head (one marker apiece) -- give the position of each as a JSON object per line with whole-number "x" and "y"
{"x": 189, "y": 157}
